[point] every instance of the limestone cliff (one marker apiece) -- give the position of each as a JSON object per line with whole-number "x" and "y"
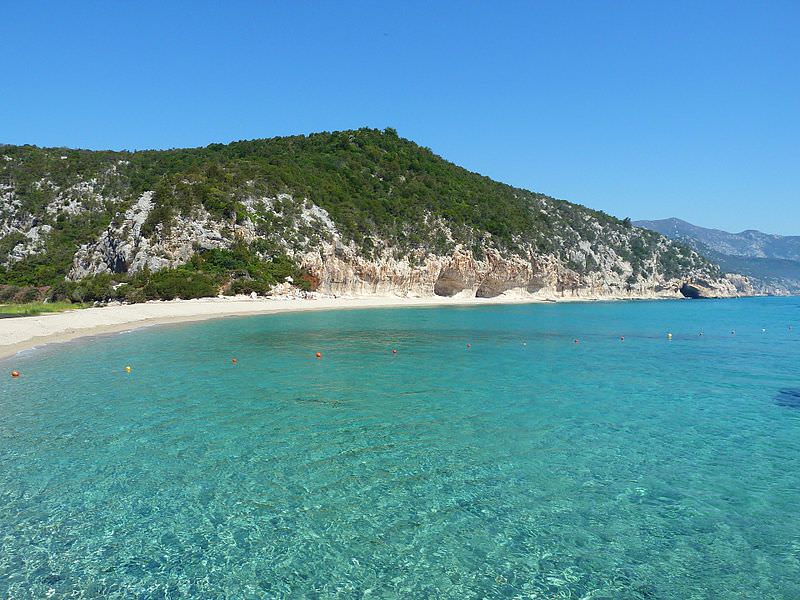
{"x": 341, "y": 268}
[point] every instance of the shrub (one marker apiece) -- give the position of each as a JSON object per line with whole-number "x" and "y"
{"x": 180, "y": 283}
{"x": 7, "y": 292}
{"x": 130, "y": 294}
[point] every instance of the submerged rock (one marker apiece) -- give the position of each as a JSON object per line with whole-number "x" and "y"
{"x": 789, "y": 397}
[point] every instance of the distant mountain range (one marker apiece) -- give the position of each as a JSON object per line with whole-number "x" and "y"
{"x": 772, "y": 262}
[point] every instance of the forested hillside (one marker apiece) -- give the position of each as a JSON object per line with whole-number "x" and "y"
{"x": 367, "y": 206}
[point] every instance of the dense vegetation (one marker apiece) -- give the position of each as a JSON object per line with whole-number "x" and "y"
{"x": 376, "y": 186}
{"x": 29, "y": 309}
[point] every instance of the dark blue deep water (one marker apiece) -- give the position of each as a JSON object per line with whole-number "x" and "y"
{"x": 525, "y": 466}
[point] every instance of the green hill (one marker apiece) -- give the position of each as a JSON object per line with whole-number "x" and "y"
{"x": 381, "y": 194}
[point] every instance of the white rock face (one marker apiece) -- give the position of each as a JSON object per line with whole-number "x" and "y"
{"x": 28, "y": 230}
{"x": 117, "y": 248}
{"x": 123, "y": 248}
{"x": 342, "y": 271}
{"x": 10, "y": 219}
{"x": 30, "y": 235}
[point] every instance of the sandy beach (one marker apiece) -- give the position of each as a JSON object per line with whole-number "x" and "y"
{"x": 22, "y": 333}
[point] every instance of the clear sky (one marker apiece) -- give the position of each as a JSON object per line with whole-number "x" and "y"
{"x": 642, "y": 109}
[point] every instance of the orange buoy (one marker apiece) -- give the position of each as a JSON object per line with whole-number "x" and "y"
{"x": 15, "y": 373}
{"x": 318, "y": 355}
{"x": 234, "y": 361}
{"x": 394, "y": 351}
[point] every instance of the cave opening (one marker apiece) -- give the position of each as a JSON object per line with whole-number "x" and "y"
{"x": 689, "y": 291}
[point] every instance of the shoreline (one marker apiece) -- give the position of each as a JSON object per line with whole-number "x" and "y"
{"x": 25, "y": 333}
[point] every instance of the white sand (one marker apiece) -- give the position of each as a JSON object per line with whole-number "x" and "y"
{"x": 22, "y": 333}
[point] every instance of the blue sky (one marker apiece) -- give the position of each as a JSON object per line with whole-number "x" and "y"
{"x": 642, "y": 109}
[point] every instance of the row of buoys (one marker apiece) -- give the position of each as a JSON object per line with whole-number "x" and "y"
{"x": 234, "y": 361}
{"x": 318, "y": 355}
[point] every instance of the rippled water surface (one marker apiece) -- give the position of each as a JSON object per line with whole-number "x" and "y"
{"x": 523, "y": 466}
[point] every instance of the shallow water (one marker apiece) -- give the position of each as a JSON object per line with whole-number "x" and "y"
{"x": 524, "y": 466}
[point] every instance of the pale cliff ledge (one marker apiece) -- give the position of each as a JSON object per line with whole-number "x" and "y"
{"x": 341, "y": 271}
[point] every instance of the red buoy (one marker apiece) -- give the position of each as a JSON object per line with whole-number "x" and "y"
{"x": 577, "y": 341}
{"x": 15, "y": 373}
{"x": 318, "y": 354}
{"x": 469, "y": 345}
{"x": 622, "y": 338}
{"x": 234, "y": 361}
{"x": 394, "y": 351}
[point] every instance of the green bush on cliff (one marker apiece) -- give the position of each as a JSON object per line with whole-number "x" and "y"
{"x": 183, "y": 282}
{"x": 239, "y": 270}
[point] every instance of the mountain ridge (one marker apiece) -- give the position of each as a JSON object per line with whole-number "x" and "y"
{"x": 771, "y": 261}
{"x": 750, "y": 242}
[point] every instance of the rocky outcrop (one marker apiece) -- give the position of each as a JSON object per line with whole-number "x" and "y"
{"x": 740, "y": 283}
{"x": 341, "y": 271}
{"x": 698, "y": 289}
{"x": 122, "y": 248}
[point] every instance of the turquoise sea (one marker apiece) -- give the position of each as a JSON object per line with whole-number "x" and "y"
{"x": 523, "y": 466}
